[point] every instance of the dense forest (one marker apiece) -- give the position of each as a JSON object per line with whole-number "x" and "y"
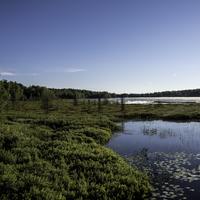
{"x": 178, "y": 93}
{"x": 16, "y": 91}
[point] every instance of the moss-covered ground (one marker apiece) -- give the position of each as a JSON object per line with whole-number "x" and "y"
{"x": 61, "y": 154}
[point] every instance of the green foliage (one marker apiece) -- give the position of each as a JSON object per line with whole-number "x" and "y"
{"x": 61, "y": 156}
{"x": 4, "y": 97}
{"x": 19, "y": 91}
{"x": 15, "y": 91}
{"x": 99, "y": 105}
{"x": 101, "y": 136}
{"x": 76, "y": 99}
{"x": 46, "y": 99}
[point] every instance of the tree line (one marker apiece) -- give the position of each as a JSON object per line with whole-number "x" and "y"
{"x": 11, "y": 93}
{"x": 14, "y": 91}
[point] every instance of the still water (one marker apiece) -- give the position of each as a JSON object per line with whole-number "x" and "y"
{"x": 168, "y": 151}
{"x": 160, "y": 100}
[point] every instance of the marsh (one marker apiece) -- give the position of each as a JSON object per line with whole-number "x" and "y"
{"x": 167, "y": 151}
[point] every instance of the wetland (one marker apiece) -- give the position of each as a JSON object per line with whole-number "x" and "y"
{"x": 167, "y": 151}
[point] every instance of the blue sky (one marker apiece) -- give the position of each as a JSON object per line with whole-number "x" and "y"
{"x": 114, "y": 45}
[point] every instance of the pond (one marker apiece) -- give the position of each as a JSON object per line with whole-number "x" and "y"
{"x": 168, "y": 151}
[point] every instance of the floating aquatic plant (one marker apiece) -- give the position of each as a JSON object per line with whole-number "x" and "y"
{"x": 172, "y": 174}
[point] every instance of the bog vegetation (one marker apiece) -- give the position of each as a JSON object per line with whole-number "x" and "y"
{"x": 54, "y": 149}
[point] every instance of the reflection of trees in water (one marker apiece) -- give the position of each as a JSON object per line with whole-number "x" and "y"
{"x": 164, "y": 133}
{"x": 150, "y": 132}
{"x": 123, "y": 126}
{"x": 187, "y": 139}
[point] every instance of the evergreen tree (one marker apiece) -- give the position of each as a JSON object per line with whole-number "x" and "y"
{"x": 76, "y": 97}
{"x": 99, "y": 105}
{"x": 15, "y": 92}
{"x": 4, "y": 97}
{"x": 122, "y": 103}
{"x": 46, "y": 99}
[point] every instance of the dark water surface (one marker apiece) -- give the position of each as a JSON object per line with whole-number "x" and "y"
{"x": 168, "y": 151}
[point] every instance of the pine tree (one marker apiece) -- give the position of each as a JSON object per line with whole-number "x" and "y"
{"x": 4, "y": 97}
{"x": 46, "y": 100}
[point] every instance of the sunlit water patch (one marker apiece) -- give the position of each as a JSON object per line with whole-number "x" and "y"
{"x": 168, "y": 151}
{"x": 158, "y": 100}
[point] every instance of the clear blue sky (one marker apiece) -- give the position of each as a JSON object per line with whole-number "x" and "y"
{"x": 113, "y": 45}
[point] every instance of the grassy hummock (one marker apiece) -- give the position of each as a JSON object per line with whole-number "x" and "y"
{"x": 61, "y": 155}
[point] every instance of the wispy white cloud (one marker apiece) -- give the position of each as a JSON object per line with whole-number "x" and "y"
{"x": 27, "y": 74}
{"x": 7, "y": 74}
{"x": 17, "y": 74}
{"x": 74, "y": 70}
{"x": 65, "y": 70}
